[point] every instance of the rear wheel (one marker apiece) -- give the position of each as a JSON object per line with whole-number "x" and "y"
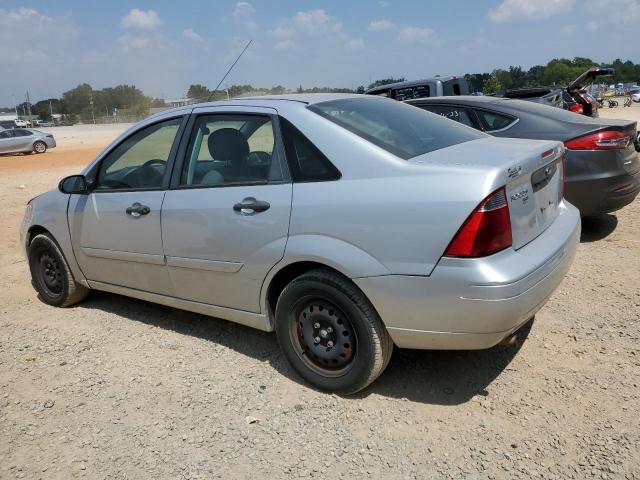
{"x": 39, "y": 147}
{"x": 330, "y": 332}
{"x": 51, "y": 275}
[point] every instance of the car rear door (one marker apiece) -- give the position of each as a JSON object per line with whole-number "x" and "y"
{"x": 225, "y": 220}
{"x": 115, "y": 229}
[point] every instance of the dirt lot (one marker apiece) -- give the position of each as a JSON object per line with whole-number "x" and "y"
{"x": 119, "y": 388}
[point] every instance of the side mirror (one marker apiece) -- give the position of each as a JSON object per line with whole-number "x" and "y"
{"x": 74, "y": 184}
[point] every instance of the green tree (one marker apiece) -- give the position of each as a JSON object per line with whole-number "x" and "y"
{"x": 384, "y": 81}
{"x": 198, "y": 92}
{"x": 491, "y": 85}
{"x": 78, "y": 100}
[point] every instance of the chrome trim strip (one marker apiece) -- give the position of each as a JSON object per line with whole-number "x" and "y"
{"x": 124, "y": 256}
{"x": 200, "y": 264}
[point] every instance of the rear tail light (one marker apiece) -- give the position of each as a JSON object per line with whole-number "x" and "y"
{"x": 486, "y": 231}
{"x": 576, "y": 108}
{"x": 607, "y": 140}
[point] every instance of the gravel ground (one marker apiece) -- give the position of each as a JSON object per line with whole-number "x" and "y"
{"x": 119, "y": 388}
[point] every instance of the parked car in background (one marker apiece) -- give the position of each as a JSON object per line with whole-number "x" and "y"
{"x": 20, "y": 123}
{"x": 573, "y": 97}
{"x": 7, "y": 124}
{"x": 346, "y": 223}
{"x": 635, "y": 97}
{"x": 429, "y": 87}
{"x": 22, "y": 140}
{"x": 602, "y": 165}
{"x": 47, "y": 123}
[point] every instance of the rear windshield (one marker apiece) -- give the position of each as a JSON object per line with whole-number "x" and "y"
{"x": 401, "y": 129}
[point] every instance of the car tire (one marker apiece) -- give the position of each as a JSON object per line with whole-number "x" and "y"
{"x": 51, "y": 275}
{"x": 330, "y": 333}
{"x": 39, "y": 147}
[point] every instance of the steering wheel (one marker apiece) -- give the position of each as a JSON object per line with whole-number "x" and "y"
{"x": 154, "y": 161}
{"x": 259, "y": 158}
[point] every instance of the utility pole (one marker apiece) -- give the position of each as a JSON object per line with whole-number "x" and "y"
{"x": 15, "y": 103}
{"x": 29, "y": 109}
{"x": 93, "y": 117}
{"x": 51, "y": 110}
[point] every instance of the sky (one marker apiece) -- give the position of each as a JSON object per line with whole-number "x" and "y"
{"x": 162, "y": 47}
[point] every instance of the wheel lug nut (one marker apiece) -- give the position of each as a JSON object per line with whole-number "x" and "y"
{"x": 316, "y": 325}
{"x": 316, "y": 339}
{"x": 329, "y": 329}
{"x": 329, "y": 344}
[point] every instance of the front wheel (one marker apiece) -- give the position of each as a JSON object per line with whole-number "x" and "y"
{"x": 330, "y": 332}
{"x": 51, "y": 275}
{"x": 39, "y": 147}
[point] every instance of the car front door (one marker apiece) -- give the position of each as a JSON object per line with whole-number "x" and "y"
{"x": 115, "y": 229}
{"x": 225, "y": 220}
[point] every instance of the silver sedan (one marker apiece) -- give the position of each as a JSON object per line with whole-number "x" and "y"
{"x": 346, "y": 224}
{"x": 25, "y": 140}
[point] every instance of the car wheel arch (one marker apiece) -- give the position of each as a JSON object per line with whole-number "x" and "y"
{"x": 280, "y": 278}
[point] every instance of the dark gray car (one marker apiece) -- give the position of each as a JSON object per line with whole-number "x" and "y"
{"x": 602, "y": 165}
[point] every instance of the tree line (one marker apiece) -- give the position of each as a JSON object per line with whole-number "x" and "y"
{"x": 84, "y": 103}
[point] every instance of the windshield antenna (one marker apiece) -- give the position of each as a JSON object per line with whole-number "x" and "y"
{"x": 229, "y": 71}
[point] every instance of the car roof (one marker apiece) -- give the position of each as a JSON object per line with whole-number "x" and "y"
{"x": 468, "y": 99}
{"x": 293, "y": 100}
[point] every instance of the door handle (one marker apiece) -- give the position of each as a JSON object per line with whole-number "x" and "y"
{"x": 137, "y": 210}
{"x": 250, "y": 205}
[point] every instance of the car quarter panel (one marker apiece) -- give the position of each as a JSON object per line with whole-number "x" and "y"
{"x": 49, "y": 211}
{"x": 475, "y": 303}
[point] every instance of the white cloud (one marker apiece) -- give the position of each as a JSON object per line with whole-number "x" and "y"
{"x": 191, "y": 34}
{"x": 244, "y": 14}
{"x": 133, "y": 41}
{"x": 313, "y": 24}
{"x": 379, "y": 25}
{"x": 524, "y": 10}
{"x": 141, "y": 20}
{"x": 409, "y": 35}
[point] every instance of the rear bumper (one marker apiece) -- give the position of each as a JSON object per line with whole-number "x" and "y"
{"x": 603, "y": 195}
{"x": 475, "y": 303}
{"x": 601, "y": 182}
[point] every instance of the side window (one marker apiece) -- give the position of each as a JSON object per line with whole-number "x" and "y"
{"x": 22, "y": 133}
{"x": 5, "y": 134}
{"x": 231, "y": 149}
{"x": 494, "y": 121}
{"x": 306, "y": 162}
{"x": 140, "y": 161}
{"x": 459, "y": 114}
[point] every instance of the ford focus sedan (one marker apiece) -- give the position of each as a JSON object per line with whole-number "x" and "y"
{"x": 346, "y": 224}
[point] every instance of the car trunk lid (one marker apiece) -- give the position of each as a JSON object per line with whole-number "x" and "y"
{"x": 588, "y": 77}
{"x": 531, "y": 171}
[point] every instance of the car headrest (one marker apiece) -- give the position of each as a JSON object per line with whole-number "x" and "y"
{"x": 228, "y": 144}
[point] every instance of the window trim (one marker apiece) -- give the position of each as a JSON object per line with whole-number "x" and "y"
{"x": 181, "y": 156}
{"x": 288, "y": 160}
{"x": 514, "y": 120}
{"x": 92, "y": 174}
{"x": 473, "y": 116}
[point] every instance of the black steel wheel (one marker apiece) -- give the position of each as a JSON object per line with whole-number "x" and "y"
{"x": 51, "y": 275}
{"x": 330, "y": 332}
{"x": 323, "y": 337}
